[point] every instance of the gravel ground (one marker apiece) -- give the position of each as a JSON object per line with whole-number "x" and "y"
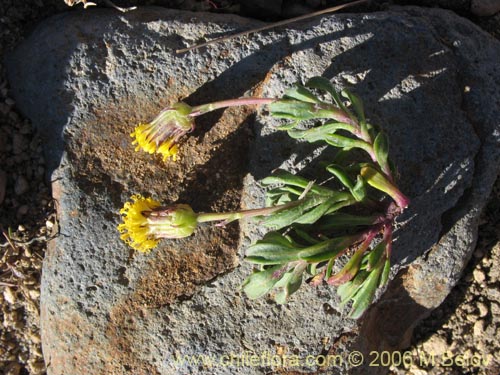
{"x": 467, "y": 323}
{"x": 26, "y": 209}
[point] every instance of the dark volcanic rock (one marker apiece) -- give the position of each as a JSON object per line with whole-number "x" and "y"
{"x": 429, "y": 78}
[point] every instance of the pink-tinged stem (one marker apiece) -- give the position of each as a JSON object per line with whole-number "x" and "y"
{"x": 368, "y": 239}
{"x": 204, "y": 108}
{"x": 401, "y": 200}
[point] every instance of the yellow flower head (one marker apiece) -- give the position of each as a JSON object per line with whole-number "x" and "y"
{"x": 162, "y": 134}
{"x": 145, "y": 221}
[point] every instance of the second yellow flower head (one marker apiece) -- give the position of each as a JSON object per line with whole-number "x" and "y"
{"x": 145, "y": 222}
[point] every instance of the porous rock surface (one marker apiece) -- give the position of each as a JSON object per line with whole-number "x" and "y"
{"x": 428, "y": 77}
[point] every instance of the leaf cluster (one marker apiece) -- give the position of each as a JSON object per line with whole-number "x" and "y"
{"x": 327, "y": 221}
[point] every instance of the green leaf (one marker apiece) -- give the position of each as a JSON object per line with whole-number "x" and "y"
{"x": 357, "y": 104}
{"x": 296, "y": 279}
{"x": 349, "y": 270}
{"x": 285, "y": 278}
{"x": 311, "y": 268}
{"x": 341, "y": 220}
{"x": 287, "y": 126}
{"x": 364, "y": 296}
{"x": 289, "y": 216}
{"x": 302, "y": 94}
{"x": 329, "y": 268}
{"x": 324, "y": 84}
{"x": 341, "y": 175}
{"x": 284, "y": 199}
{"x": 346, "y": 142}
{"x": 292, "y": 284}
{"x": 326, "y": 250}
{"x": 348, "y": 290}
{"x": 321, "y": 133}
{"x": 292, "y": 109}
{"x": 297, "y": 134}
{"x": 281, "y": 176}
{"x": 274, "y": 248}
{"x": 359, "y": 190}
{"x": 298, "y": 110}
{"x": 315, "y": 214}
{"x": 381, "y": 148}
{"x": 259, "y": 283}
{"x": 376, "y": 255}
{"x": 337, "y": 206}
{"x": 306, "y": 236}
{"x": 290, "y": 189}
{"x": 385, "y": 273}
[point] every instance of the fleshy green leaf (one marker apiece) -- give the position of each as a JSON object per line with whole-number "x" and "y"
{"x": 287, "y": 126}
{"x": 284, "y": 199}
{"x": 357, "y": 104}
{"x": 274, "y": 248}
{"x": 261, "y": 282}
{"x": 348, "y": 290}
{"x": 320, "y": 133}
{"x": 359, "y": 190}
{"x": 280, "y": 176}
{"x": 346, "y": 142}
{"x": 306, "y": 236}
{"x": 297, "y": 110}
{"x": 292, "y": 109}
{"x": 385, "y": 273}
{"x": 341, "y": 175}
{"x": 349, "y": 270}
{"x": 381, "y": 148}
{"x": 337, "y": 206}
{"x": 302, "y": 94}
{"x": 326, "y": 250}
{"x": 329, "y": 268}
{"x": 290, "y": 189}
{"x": 315, "y": 214}
{"x": 289, "y": 216}
{"x": 364, "y": 296}
{"x": 375, "y": 255}
{"x": 341, "y": 220}
{"x": 293, "y": 282}
{"x": 324, "y": 84}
